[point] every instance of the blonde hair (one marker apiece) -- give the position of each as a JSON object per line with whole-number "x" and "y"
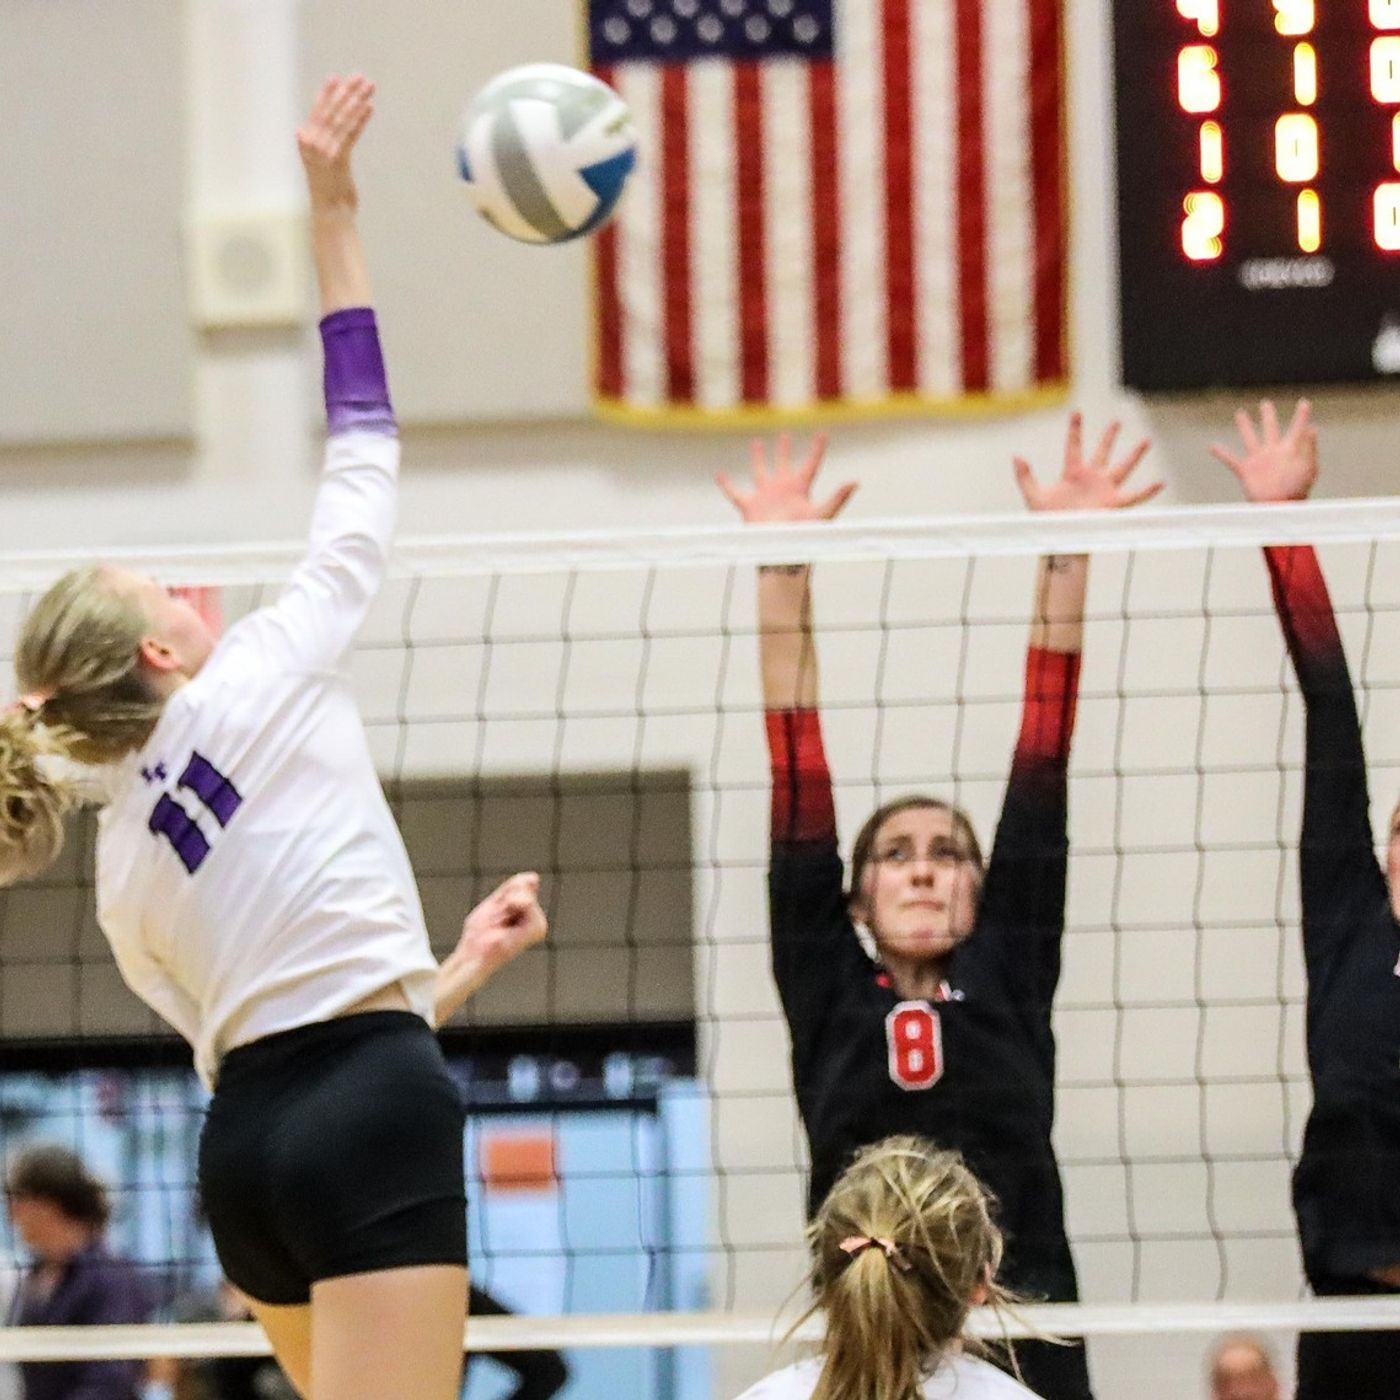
{"x": 896, "y": 1305}
{"x": 78, "y": 657}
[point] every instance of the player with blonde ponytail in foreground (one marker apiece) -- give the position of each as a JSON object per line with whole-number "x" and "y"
{"x": 903, "y": 1248}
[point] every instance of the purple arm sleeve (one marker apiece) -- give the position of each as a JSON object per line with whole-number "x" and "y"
{"x": 357, "y": 390}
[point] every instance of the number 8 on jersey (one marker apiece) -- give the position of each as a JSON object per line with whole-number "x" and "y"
{"x": 914, "y": 1036}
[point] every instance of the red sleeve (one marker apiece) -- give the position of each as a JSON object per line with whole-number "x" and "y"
{"x": 1337, "y": 860}
{"x": 1305, "y": 614}
{"x": 803, "y": 809}
{"x": 1022, "y": 914}
{"x": 1051, "y": 698}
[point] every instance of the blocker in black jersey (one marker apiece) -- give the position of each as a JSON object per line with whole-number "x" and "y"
{"x": 1346, "y": 1188}
{"x": 973, "y": 1069}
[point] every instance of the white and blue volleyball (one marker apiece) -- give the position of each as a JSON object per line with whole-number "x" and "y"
{"x": 546, "y": 151}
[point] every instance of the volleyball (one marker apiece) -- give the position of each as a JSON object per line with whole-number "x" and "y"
{"x": 546, "y": 151}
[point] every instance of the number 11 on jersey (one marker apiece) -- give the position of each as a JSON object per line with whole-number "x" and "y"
{"x": 216, "y": 794}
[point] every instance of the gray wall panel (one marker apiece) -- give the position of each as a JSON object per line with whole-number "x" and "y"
{"x": 96, "y": 342}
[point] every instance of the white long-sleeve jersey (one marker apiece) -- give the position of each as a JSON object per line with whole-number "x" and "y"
{"x": 957, "y": 1377}
{"x": 250, "y": 876}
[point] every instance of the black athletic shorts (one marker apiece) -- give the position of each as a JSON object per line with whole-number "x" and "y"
{"x": 1349, "y": 1365}
{"x": 334, "y": 1149}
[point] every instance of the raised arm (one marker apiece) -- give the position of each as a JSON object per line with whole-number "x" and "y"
{"x": 802, "y": 808}
{"x": 315, "y": 620}
{"x": 1085, "y": 483}
{"x": 811, "y": 938}
{"x": 1023, "y": 901}
{"x": 1337, "y": 859}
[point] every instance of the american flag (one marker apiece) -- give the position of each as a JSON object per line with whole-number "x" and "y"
{"x": 839, "y": 203}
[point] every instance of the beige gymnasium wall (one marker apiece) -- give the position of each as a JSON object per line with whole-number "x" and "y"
{"x": 485, "y": 343}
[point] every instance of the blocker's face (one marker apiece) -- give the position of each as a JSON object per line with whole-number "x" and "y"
{"x": 919, "y": 891}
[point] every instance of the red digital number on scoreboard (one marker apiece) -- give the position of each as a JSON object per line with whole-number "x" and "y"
{"x": 1201, "y": 85}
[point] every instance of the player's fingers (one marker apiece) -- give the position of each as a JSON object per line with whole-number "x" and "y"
{"x": 836, "y": 502}
{"x": 1104, "y": 451}
{"x": 1247, "y": 434}
{"x": 1268, "y": 421}
{"x": 1128, "y": 465}
{"x": 350, "y": 111}
{"x": 1302, "y": 417}
{"x": 1074, "y": 441}
{"x": 1226, "y": 457}
{"x": 731, "y": 492}
{"x": 1136, "y": 498}
{"x": 815, "y": 453}
{"x": 1025, "y": 480}
{"x": 1309, "y": 447}
{"x": 782, "y": 455}
{"x": 758, "y": 456}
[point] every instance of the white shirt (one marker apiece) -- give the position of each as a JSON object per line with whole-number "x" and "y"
{"x": 957, "y": 1377}
{"x": 250, "y": 876}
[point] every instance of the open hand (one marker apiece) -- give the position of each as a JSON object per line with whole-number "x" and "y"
{"x": 1275, "y": 465}
{"x": 782, "y": 492}
{"x": 326, "y": 138}
{"x": 1095, "y": 483}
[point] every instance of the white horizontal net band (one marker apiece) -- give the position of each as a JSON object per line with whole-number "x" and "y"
{"x": 953, "y": 537}
{"x": 715, "y": 1329}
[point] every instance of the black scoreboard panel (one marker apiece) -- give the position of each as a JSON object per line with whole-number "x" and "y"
{"x": 1258, "y": 191}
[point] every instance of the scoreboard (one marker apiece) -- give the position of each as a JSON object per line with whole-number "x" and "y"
{"x": 1258, "y": 191}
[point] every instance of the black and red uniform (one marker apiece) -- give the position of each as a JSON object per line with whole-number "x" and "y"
{"x": 1346, "y": 1188}
{"x": 974, "y": 1069}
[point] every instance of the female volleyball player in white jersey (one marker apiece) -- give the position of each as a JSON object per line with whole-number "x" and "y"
{"x": 257, "y": 893}
{"x": 903, "y": 1248}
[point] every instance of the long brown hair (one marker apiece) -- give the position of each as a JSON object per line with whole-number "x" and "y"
{"x": 900, "y": 1248}
{"x": 78, "y": 662}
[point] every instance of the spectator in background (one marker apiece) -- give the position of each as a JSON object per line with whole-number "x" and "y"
{"x": 1242, "y": 1368}
{"x": 60, "y": 1212}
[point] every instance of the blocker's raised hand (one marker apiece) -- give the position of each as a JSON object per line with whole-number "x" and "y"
{"x": 1275, "y": 465}
{"x": 782, "y": 492}
{"x": 1092, "y": 483}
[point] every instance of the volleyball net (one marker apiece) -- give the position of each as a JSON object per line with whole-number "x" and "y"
{"x": 589, "y": 706}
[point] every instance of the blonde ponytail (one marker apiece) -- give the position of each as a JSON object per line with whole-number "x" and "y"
{"x": 900, "y": 1248}
{"x": 78, "y": 659}
{"x": 35, "y": 797}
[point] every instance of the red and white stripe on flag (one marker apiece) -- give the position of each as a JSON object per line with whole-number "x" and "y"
{"x": 880, "y": 230}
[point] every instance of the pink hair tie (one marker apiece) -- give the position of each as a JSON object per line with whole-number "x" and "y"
{"x": 854, "y": 1244}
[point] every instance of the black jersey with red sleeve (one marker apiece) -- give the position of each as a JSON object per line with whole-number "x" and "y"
{"x": 974, "y": 1069}
{"x": 1346, "y": 1188}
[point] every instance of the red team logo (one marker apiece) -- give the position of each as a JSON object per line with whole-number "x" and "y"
{"x": 915, "y": 1039}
